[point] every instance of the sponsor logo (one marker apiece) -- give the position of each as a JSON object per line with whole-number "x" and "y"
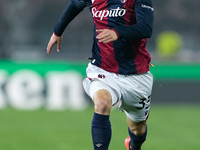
{"x": 99, "y": 145}
{"x": 148, "y": 7}
{"x": 108, "y": 13}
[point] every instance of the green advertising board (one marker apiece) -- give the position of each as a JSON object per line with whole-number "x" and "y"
{"x": 164, "y": 71}
{"x": 56, "y": 85}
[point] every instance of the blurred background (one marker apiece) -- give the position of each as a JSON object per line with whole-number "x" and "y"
{"x": 27, "y": 25}
{"x": 32, "y": 80}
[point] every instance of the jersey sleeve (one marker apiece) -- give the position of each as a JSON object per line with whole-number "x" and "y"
{"x": 144, "y": 18}
{"x": 73, "y": 8}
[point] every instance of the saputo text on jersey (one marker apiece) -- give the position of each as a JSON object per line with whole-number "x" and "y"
{"x": 108, "y": 13}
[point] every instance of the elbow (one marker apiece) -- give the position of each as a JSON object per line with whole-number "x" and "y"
{"x": 147, "y": 31}
{"x": 145, "y": 28}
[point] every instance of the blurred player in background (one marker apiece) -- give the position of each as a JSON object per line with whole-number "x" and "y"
{"x": 119, "y": 67}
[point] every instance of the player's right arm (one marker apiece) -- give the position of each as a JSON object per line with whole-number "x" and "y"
{"x": 54, "y": 40}
{"x": 72, "y": 10}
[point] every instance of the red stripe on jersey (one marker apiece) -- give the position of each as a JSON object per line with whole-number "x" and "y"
{"x": 129, "y": 17}
{"x": 142, "y": 57}
{"x": 108, "y": 61}
{"x": 98, "y": 7}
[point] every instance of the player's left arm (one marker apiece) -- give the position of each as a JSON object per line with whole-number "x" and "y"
{"x": 143, "y": 28}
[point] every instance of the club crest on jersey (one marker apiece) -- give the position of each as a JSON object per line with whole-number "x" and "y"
{"x": 123, "y": 1}
{"x": 118, "y": 12}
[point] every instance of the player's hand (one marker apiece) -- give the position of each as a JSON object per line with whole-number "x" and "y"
{"x": 106, "y": 35}
{"x": 53, "y": 40}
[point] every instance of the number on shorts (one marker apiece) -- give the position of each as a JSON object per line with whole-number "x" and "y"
{"x": 144, "y": 102}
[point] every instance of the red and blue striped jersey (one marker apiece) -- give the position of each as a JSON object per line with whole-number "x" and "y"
{"x": 132, "y": 20}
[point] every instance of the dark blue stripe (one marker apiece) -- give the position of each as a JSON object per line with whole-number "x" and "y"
{"x": 122, "y": 48}
{"x": 96, "y": 50}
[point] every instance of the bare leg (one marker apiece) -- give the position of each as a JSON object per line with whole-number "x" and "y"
{"x": 137, "y": 128}
{"x": 137, "y": 132}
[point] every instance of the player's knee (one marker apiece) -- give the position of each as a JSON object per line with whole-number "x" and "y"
{"x": 103, "y": 106}
{"x": 103, "y": 102}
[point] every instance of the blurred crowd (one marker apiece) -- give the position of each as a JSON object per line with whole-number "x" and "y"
{"x": 26, "y": 26}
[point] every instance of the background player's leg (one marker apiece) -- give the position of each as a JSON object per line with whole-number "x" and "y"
{"x": 101, "y": 127}
{"x": 137, "y": 132}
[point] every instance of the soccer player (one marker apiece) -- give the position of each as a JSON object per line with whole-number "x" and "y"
{"x": 119, "y": 68}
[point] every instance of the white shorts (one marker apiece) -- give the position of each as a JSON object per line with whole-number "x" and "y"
{"x": 132, "y": 91}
